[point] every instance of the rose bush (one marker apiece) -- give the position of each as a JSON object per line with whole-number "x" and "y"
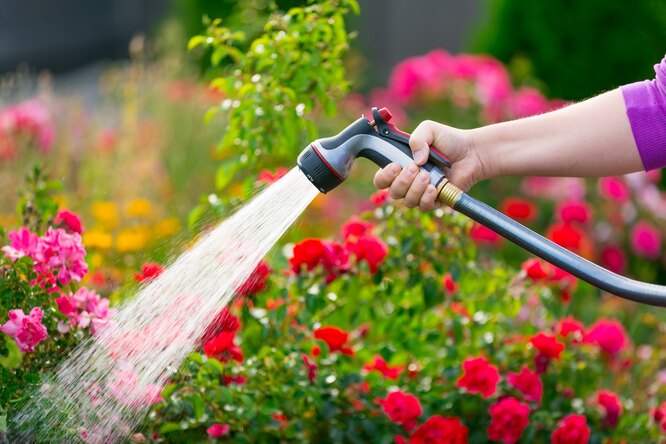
{"x": 339, "y": 348}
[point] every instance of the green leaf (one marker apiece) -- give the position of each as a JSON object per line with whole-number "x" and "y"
{"x": 198, "y": 406}
{"x": 196, "y": 41}
{"x": 14, "y": 356}
{"x": 168, "y": 427}
{"x": 194, "y": 216}
{"x": 225, "y": 173}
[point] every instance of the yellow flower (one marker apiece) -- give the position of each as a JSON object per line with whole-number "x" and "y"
{"x": 132, "y": 239}
{"x": 106, "y": 213}
{"x": 167, "y": 227}
{"x": 97, "y": 239}
{"x": 138, "y": 208}
{"x": 95, "y": 260}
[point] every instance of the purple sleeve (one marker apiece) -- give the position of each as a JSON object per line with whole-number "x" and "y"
{"x": 646, "y": 108}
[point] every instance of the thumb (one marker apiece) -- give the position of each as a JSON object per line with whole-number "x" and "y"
{"x": 423, "y": 136}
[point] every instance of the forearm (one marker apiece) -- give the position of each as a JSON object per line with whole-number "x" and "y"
{"x": 590, "y": 138}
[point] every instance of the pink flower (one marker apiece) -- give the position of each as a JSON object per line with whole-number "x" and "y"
{"x": 611, "y": 405}
{"x": 268, "y": 177}
{"x": 30, "y": 118}
{"x": 574, "y": 211}
{"x": 646, "y": 240}
{"x": 70, "y": 220}
{"x": 85, "y": 308}
{"x": 528, "y": 383}
{"x": 613, "y": 258}
{"x": 527, "y": 102}
{"x": 217, "y": 430}
{"x": 609, "y": 335}
{"x": 613, "y": 188}
{"x": 27, "y": 331}
{"x": 127, "y": 388}
{"x": 22, "y": 243}
{"x": 63, "y": 254}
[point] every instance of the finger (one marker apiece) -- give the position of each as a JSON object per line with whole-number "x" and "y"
{"x": 401, "y": 184}
{"x": 423, "y": 136}
{"x": 385, "y": 177}
{"x": 414, "y": 193}
{"x": 427, "y": 202}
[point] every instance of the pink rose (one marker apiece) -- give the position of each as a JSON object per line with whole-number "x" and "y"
{"x": 27, "y": 331}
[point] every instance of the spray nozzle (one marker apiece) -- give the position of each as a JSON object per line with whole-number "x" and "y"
{"x": 327, "y": 162}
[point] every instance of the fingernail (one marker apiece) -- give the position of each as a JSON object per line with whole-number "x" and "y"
{"x": 419, "y": 156}
{"x": 412, "y": 168}
{"x": 423, "y": 176}
{"x": 394, "y": 168}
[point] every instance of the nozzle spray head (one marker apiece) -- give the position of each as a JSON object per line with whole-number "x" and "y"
{"x": 327, "y": 162}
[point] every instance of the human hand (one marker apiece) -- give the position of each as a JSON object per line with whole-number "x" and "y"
{"x": 414, "y": 186}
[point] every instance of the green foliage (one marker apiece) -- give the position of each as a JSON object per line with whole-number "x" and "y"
{"x": 292, "y": 68}
{"x": 577, "y": 49}
{"x": 403, "y": 314}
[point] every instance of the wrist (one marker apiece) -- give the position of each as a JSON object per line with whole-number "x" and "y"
{"x": 482, "y": 146}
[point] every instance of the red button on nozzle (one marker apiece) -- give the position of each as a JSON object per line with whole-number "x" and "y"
{"x": 385, "y": 114}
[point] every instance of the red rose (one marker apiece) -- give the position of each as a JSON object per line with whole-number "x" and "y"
{"x": 508, "y": 418}
{"x": 222, "y": 347}
{"x": 355, "y": 228}
{"x": 380, "y": 197}
{"x": 609, "y": 335}
{"x": 483, "y": 235}
{"x": 547, "y": 345}
{"x": 379, "y": 364}
{"x": 438, "y": 429}
{"x": 228, "y": 380}
{"x": 308, "y": 252}
{"x": 479, "y": 376}
{"x": 519, "y": 209}
{"x": 449, "y": 284}
{"x": 528, "y": 383}
{"x": 370, "y": 249}
{"x": 565, "y": 235}
{"x": 402, "y": 408}
{"x": 574, "y": 211}
{"x": 536, "y": 269}
{"x": 335, "y": 338}
{"x": 611, "y": 405}
{"x": 224, "y": 321}
{"x": 268, "y": 177}
{"x": 70, "y": 220}
{"x": 256, "y": 282}
{"x": 312, "y": 368}
{"x": 659, "y": 415}
{"x": 570, "y": 326}
{"x": 149, "y": 271}
{"x": 571, "y": 429}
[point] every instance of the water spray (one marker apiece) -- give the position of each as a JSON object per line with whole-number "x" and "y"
{"x": 327, "y": 163}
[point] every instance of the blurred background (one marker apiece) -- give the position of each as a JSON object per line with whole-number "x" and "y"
{"x": 108, "y": 97}
{"x": 577, "y": 49}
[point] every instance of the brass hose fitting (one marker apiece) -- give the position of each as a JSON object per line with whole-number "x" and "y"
{"x": 448, "y": 193}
